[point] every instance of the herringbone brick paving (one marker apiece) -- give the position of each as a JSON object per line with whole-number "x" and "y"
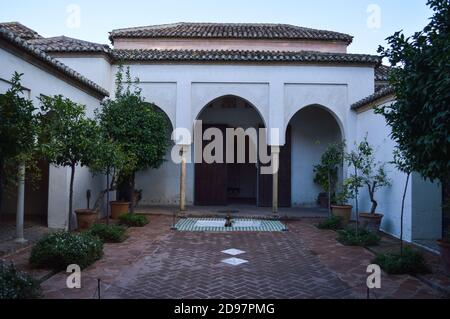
{"x": 305, "y": 262}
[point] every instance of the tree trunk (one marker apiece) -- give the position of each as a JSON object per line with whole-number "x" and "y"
{"x": 356, "y": 202}
{"x": 132, "y": 192}
{"x": 1, "y": 184}
{"x": 402, "y": 213}
{"x": 72, "y": 177}
{"x": 372, "y": 198}
{"x": 107, "y": 197}
{"x": 329, "y": 193}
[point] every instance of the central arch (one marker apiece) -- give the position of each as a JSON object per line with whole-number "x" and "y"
{"x": 222, "y": 184}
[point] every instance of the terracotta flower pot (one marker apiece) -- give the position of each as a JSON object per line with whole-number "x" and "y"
{"x": 371, "y": 222}
{"x": 445, "y": 254}
{"x": 119, "y": 208}
{"x": 344, "y": 211}
{"x": 85, "y": 218}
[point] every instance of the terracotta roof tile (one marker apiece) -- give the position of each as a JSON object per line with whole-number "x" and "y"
{"x": 230, "y": 31}
{"x": 20, "y": 43}
{"x": 20, "y": 30}
{"x": 241, "y": 56}
{"x": 381, "y": 93}
{"x": 66, "y": 44}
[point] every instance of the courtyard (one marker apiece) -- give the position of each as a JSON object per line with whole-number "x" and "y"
{"x": 304, "y": 262}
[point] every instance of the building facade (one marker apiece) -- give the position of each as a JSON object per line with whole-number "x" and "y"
{"x": 296, "y": 81}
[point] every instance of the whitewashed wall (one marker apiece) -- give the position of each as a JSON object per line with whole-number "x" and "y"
{"x": 312, "y": 130}
{"x": 40, "y": 82}
{"x": 277, "y": 92}
{"x": 96, "y": 68}
{"x": 423, "y": 215}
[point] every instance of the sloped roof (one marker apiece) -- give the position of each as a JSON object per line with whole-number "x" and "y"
{"x": 230, "y": 31}
{"x": 67, "y": 44}
{"x": 241, "y": 56}
{"x": 382, "y": 73}
{"x": 20, "y": 30}
{"x": 383, "y": 92}
{"x": 23, "y": 45}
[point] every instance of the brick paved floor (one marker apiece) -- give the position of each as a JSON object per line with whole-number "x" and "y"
{"x": 302, "y": 263}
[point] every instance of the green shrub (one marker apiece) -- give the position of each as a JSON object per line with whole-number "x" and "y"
{"x": 349, "y": 237}
{"x": 411, "y": 262}
{"x": 331, "y": 223}
{"x": 15, "y": 284}
{"x": 133, "y": 220}
{"x": 58, "y": 250}
{"x": 108, "y": 233}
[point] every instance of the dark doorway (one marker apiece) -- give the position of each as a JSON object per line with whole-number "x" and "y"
{"x": 36, "y": 194}
{"x": 233, "y": 183}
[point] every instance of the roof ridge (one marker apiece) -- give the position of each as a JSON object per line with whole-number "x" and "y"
{"x": 44, "y": 57}
{"x": 230, "y": 30}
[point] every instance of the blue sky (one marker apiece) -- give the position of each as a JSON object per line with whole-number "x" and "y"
{"x": 98, "y": 17}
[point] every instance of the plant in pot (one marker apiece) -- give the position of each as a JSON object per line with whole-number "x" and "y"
{"x": 86, "y": 217}
{"x": 141, "y": 131}
{"x": 67, "y": 135}
{"x": 326, "y": 172}
{"x": 374, "y": 177}
{"x": 340, "y": 206}
{"x": 107, "y": 158}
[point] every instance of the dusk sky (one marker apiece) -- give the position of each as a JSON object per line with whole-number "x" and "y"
{"x": 369, "y": 21}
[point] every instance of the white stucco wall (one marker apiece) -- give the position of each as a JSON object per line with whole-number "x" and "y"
{"x": 422, "y": 217}
{"x": 278, "y": 92}
{"x": 312, "y": 130}
{"x": 40, "y": 82}
{"x": 96, "y": 68}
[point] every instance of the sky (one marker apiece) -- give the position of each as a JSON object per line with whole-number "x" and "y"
{"x": 369, "y": 21}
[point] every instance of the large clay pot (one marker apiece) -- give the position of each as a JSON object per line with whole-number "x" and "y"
{"x": 344, "y": 211}
{"x": 85, "y": 218}
{"x": 445, "y": 254}
{"x": 119, "y": 208}
{"x": 371, "y": 222}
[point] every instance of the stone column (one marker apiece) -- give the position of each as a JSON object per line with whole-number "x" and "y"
{"x": 20, "y": 205}
{"x": 184, "y": 152}
{"x": 275, "y": 151}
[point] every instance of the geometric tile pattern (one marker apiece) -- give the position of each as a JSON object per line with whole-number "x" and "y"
{"x": 234, "y": 261}
{"x": 233, "y": 252}
{"x": 239, "y": 225}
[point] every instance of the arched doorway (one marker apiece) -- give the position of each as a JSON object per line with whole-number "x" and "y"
{"x": 313, "y": 128}
{"x": 235, "y": 183}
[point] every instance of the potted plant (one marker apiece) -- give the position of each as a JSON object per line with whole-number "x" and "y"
{"x": 326, "y": 173}
{"x": 374, "y": 177}
{"x": 86, "y": 217}
{"x": 139, "y": 129}
{"x": 340, "y": 206}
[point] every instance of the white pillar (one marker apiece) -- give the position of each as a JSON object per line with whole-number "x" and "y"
{"x": 184, "y": 152}
{"x": 275, "y": 151}
{"x": 20, "y": 205}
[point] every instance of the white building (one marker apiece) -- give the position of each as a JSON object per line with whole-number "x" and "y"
{"x": 298, "y": 80}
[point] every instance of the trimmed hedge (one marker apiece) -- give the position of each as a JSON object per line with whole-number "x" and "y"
{"x": 15, "y": 284}
{"x": 58, "y": 250}
{"x": 108, "y": 233}
{"x": 331, "y": 223}
{"x": 133, "y": 220}
{"x": 411, "y": 262}
{"x": 364, "y": 238}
